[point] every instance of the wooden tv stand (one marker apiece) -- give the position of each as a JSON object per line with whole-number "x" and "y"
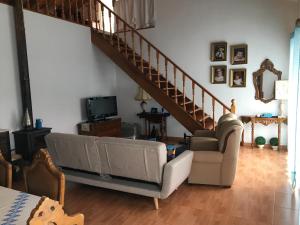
{"x": 108, "y": 128}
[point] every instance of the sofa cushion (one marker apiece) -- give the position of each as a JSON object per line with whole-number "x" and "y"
{"x": 74, "y": 151}
{"x": 136, "y": 159}
{"x": 204, "y": 144}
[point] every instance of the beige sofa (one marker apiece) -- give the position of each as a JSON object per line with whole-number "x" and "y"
{"x": 133, "y": 166}
{"x": 216, "y": 155}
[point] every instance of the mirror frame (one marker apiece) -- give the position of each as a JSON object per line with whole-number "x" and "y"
{"x": 265, "y": 65}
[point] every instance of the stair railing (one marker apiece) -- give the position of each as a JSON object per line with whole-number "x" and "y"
{"x": 77, "y": 11}
{"x": 158, "y": 61}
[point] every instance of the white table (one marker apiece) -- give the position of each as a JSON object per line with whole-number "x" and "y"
{"x": 16, "y": 206}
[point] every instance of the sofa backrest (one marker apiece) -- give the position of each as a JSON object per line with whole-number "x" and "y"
{"x": 136, "y": 159}
{"x": 74, "y": 151}
{"x": 228, "y": 128}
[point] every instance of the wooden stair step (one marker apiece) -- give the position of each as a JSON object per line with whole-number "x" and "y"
{"x": 188, "y": 106}
{"x": 208, "y": 124}
{"x": 186, "y": 103}
{"x": 192, "y": 111}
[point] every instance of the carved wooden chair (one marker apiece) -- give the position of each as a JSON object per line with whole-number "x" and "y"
{"x": 42, "y": 178}
{"x": 5, "y": 172}
{"x": 51, "y": 213}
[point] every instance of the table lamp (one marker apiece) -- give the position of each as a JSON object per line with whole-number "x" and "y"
{"x": 281, "y": 93}
{"x": 142, "y": 96}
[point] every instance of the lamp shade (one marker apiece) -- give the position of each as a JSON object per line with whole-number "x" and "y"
{"x": 142, "y": 95}
{"x": 281, "y": 90}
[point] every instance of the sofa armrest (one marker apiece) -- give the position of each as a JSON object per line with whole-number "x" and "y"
{"x": 204, "y": 133}
{"x": 176, "y": 172}
{"x": 204, "y": 144}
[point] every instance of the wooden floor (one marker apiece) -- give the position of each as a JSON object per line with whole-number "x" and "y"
{"x": 260, "y": 196}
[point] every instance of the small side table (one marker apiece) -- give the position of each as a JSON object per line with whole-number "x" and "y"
{"x": 155, "y": 118}
{"x": 28, "y": 142}
{"x": 264, "y": 121}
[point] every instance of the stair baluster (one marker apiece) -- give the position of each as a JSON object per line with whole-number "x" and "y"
{"x": 213, "y": 108}
{"x": 70, "y": 9}
{"x": 110, "y": 28}
{"x": 175, "y": 84}
{"x": 55, "y": 8}
{"x": 149, "y": 62}
{"x": 82, "y": 12}
{"x": 76, "y": 11}
{"x": 194, "y": 105}
{"x": 166, "y": 71}
{"x": 203, "y": 108}
{"x": 28, "y": 4}
{"x": 47, "y": 7}
{"x": 37, "y": 6}
{"x": 133, "y": 46}
{"x": 183, "y": 90}
{"x": 157, "y": 65}
{"x": 63, "y": 9}
{"x": 141, "y": 54}
{"x": 103, "y": 24}
{"x": 118, "y": 35}
{"x": 224, "y": 110}
{"x": 125, "y": 40}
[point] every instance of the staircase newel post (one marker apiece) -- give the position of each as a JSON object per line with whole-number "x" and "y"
{"x": 233, "y": 107}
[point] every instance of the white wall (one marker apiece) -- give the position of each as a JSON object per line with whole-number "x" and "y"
{"x": 10, "y": 101}
{"x": 185, "y": 29}
{"x": 64, "y": 68}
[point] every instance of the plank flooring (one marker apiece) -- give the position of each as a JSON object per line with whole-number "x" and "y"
{"x": 260, "y": 196}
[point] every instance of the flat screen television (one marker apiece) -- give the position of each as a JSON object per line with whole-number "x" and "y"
{"x": 98, "y": 108}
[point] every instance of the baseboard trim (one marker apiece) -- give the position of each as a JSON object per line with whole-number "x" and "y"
{"x": 267, "y": 146}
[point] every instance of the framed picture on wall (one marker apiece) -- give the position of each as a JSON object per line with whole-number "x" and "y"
{"x": 239, "y": 54}
{"x": 218, "y": 74}
{"x": 238, "y": 77}
{"x": 218, "y": 51}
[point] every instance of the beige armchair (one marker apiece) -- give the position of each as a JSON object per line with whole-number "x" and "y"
{"x": 209, "y": 133}
{"x": 215, "y": 158}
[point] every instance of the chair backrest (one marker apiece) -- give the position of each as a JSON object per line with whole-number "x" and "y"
{"x": 136, "y": 159}
{"x": 5, "y": 172}
{"x": 42, "y": 178}
{"x": 51, "y": 212}
{"x": 222, "y": 119}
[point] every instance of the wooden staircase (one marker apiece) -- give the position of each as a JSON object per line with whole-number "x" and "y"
{"x": 188, "y": 101}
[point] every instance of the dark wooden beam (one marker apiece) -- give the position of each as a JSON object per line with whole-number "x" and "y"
{"x": 22, "y": 58}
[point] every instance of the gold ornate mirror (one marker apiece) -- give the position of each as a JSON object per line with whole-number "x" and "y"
{"x": 264, "y": 81}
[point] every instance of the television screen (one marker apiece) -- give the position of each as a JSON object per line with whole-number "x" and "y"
{"x": 101, "y": 107}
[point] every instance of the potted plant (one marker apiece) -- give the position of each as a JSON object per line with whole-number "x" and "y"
{"x": 274, "y": 143}
{"x": 260, "y": 142}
